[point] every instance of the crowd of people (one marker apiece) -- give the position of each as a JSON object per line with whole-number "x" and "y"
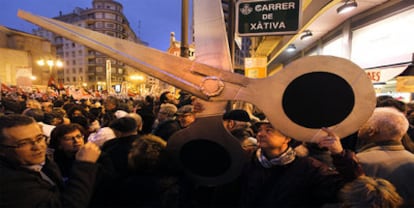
{"x": 112, "y": 152}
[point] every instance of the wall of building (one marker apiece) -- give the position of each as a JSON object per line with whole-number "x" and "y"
{"x": 19, "y": 51}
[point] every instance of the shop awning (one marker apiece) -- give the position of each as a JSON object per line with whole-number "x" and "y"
{"x": 382, "y": 75}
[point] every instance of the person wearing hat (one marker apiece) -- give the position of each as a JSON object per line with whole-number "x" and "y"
{"x": 382, "y": 154}
{"x": 237, "y": 122}
{"x": 186, "y": 115}
{"x": 275, "y": 177}
{"x": 167, "y": 124}
{"x": 236, "y": 118}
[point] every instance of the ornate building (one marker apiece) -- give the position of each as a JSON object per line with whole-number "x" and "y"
{"x": 83, "y": 66}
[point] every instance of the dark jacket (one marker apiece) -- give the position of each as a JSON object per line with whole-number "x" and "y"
{"x": 166, "y": 128}
{"x": 108, "y": 117}
{"x": 147, "y": 190}
{"x": 105, "y": 175}
{"x": 148, "y": 118}
{"x": 21, "y": 187}
{"x": 117, "y": 150}
{"x": 305, "y": 182}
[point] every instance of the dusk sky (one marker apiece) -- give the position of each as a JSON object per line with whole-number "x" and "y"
{"x": 152, "y": 20}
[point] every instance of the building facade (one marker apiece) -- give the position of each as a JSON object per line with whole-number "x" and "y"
{"x": 19, "y": 53}
{"x": 86, "y": 67}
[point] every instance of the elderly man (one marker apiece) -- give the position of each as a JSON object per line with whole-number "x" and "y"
{"x": 167, "y": 124}
{"x": 186, "y": 115}
{"x": 382, "y": 154}
{"x": 29, "y": 179}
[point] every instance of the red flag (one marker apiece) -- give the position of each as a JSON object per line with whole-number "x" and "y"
{"x": 84, "y": 91}
{"x": 52, "y": 83}
{"x": 61, "y": 87}
{"x": 5, "y": 88}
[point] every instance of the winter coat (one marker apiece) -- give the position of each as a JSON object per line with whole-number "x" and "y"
{"x": 166, "y": 129}
{"x": 305, "y": 182}
{"x": 21, "y": 187}
{"x": 392, "y": 162}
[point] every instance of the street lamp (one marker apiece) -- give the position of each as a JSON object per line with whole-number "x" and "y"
{"x": 50, "y": 63}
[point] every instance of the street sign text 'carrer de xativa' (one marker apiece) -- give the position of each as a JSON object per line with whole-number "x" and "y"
{"x": 273, "y": 17}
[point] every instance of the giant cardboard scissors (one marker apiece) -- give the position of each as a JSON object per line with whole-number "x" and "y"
{"x": 310, "y": 93}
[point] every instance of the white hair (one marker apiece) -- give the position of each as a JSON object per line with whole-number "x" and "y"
{"x": 391, "y": 123}
{"x": 169, "y": 108}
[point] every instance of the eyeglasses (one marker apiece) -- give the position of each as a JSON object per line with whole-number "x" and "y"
{"x": 27, "y": 143}
{"x": 74, "y": 138}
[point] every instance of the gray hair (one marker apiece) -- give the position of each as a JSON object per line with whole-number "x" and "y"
{"x": 389, "y": 123}
{"x": 169, "y": 108}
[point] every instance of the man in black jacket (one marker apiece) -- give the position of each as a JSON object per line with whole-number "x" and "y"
{"x": 276, "y": 177}
{"x": 29, "y": 179}
{"x": 167, "y": 124}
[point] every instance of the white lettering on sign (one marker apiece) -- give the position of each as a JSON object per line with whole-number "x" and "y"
{"x": 267, "y": 25}
{"x": 274, "y": 7}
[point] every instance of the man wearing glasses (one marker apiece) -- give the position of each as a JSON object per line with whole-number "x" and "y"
{"x": 29, "y": 179}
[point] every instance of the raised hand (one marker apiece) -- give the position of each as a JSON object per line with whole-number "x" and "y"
{"x": 331, "y": 141}
{"x": 88, "y": 153}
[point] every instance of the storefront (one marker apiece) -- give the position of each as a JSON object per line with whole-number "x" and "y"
{"x": 381, "y": 44}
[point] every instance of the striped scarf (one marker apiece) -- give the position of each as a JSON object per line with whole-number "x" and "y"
{"x": 285, "y": 158}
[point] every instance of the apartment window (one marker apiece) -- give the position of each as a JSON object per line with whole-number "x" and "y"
{"x": 99, "y": 60}
{"x": 109, "y": 25}
{"x": 110, "y": 16}
{"x": 80, "y": 70}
